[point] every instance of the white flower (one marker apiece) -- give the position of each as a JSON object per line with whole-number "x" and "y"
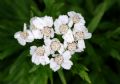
{"x": 80, "y": 46}
{"x": 42, "y": 27}
{"x": 81, "y": 32}
{"x": 75, "y": 18}
{"x": 68, "y": 37}
{"x": 74, "y": 46}
{"x": 24, "y": 36}
{"x": 54, "y": 45}
{"x": 48, "y": 21}
{"x": 47, "y": 30}
{"x": 61, "y": 24}
{"x": 39, "y": 55}
{"x": 37, "y": 33}
{"x": 37, "y": 23}
{"x": 61, "y": 60}
{"x": 34, "y": 22}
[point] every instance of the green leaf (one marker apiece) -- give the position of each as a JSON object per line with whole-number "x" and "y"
{"x": 8, "y": 51}
{"x": 62, "y": 77}
{"x": 49, "y": 3}
{"x": 81, "y": 70}
{"x": 50, "y": 72}
{"x": 95, "y": 21}
{"x": 40, "y": 75}
{"x": 114, "y": 33}
{"x": 34, "y": 68}
{"x": 99, "y": 12}
{"x": 84, "y": 75}
{"x": 115, "y": 54}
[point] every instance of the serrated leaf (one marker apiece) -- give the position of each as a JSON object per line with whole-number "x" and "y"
{"x": 81, "y": 70}
{"x": 84, "y": 75}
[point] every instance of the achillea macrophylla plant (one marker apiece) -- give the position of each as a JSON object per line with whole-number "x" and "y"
{"x": 73, "y": 31}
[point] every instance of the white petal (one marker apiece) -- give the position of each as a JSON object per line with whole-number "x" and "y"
{"x": 70, "y": 24}
{"x": 30, "y": 37}
{"x": 52, "y": 33}
{"x": 37, "y": 34}
{"x": 67, "y": 64}
{"x": 53, "y": 65}
{"x": 37, "y": 22}
{"x": 21, "y": 41}
{"x": 52, "y": 52}
{"x": 32, "y": 49}
{"x": 81, "y": 46}
{"x": 66, "y": 55}
{"x": 47, "y": 50}
{"x": 82, "y": 20}
{"x": 17, "y": 34}
{"x": 72, "y": 52}
{"x": 87, "y": 35}
{"x": 79, "y": 27}
{"x": 63, "y": 19}
{"x": 47, "y": 60}
{"x": 35, "y": 60}
{"x": 61, "y": 49}
{"x": 42, "y": 60}
{"x": 68, "y": 37}
{"x": 57, "y": 24}
{"x": 65, "y": 44}
{"x": 47, "y": 41}
{"x": 48, "y": 21}
{"x": 71, "y": 13}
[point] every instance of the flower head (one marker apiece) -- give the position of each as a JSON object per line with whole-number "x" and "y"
{"x": 61, "y": 60}
{"x": 76, "y": 46}
{"x": 47, "y": 30}
{"x": 39, "y": 55}
{"x": 75, "y": 18}
{"x": 54, "y": 45}
{"x": 61, "y": 24}
{"x": 70, "y": 27}
{"x": 24, "y": 36}
{"x": 42, "y": 27}
{"x": 81, "y": 32}
{"x": 37, "y": 23}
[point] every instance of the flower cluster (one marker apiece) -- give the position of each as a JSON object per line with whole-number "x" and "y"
{"x": 54, "y": 52}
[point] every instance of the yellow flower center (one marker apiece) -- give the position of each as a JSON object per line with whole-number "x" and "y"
{"x": 63, "y": 28}
{"x": 76, "y": 19}
{"x": 72, "y": 46}
{"x": 46, "y": 31}
{"x": 40, "y": 51}
{"x": 58, "y": 59}
{"x": 55, "y": 45}
{"x": 24, "y": 35}
{"x": 79, "y": 35}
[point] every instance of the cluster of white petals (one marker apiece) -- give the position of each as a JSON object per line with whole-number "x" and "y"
{"x": 57, "y": 54}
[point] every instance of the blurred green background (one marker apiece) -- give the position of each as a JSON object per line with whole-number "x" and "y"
{"x": 98, "y": 64}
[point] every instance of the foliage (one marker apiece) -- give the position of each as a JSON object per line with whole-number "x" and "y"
{"x": 100, "y": 62}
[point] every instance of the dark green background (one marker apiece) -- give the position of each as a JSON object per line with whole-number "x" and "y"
{"x": 98, "y": 64}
